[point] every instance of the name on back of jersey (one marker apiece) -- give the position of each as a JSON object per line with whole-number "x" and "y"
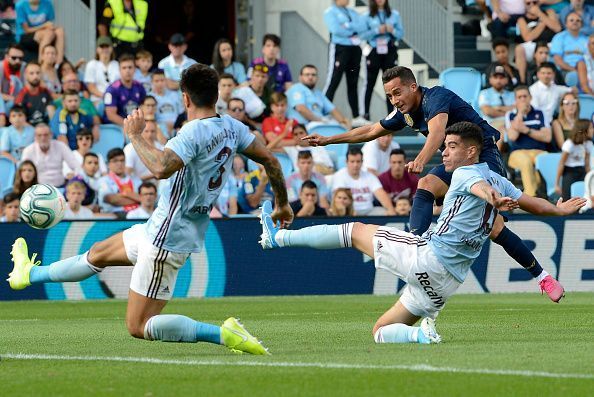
{"x": 220, "y": 137}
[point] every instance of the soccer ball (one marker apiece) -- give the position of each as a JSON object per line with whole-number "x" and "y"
{"x": 42, "y": 206}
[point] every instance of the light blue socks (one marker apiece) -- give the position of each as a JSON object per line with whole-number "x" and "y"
{"x": 75, "y": 268}
{"x": 400, "y": 333}
{"x": 177, "y": 328}
{"x": 319, "y": 237}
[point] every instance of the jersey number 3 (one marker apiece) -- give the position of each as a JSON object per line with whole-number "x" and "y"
{"x": 215, "y": 181}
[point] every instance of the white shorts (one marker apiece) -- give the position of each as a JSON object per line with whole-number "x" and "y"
{"x": 410, "y": 258}
{"x": 155, "y": 269}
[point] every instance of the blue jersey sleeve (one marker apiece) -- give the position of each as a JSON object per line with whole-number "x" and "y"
{"x": 245, "y": 138}
{"x": 185, "y": 144}
{"x": 334, "y": 24}
{"x": 508, "y": 188}
{"x": 464, "y": 178}
{"x": 393, "y": 122}
{"x": 398, "y": 27}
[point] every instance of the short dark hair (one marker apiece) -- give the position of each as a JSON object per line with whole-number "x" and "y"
{"x": 10, "y": 197}
{"x": 147, "y": 185}
{"x": 70, "y": 92}
{"x": 126, "y": 57}
{"x": 90, "y": 154}
{"x": 540, "y": 44}
{"x": 354, "y": 151}
{"x": 15, "y": 46}
{"x": 201, "y": 83}
{"x": 115, "y": 152}
{"x": 272, "y": 37}
{"x": 17, "y": 109}
{"x": 304, "y": 154}
{"x": 84, "y": 132}
{"x": 227, "y": 76}
{"x": 32, "y": 63}
{"x": 307, "y": 66}
{"x": 521, "y": 87}
{"x": 546, "y": 65}
{"x": 470, "y": 133}
{"x": 309, "y": 185}
{"x": 158, "y": 72}
{"x": 237, "y": 100}
{"x": 398, "y": 151}
{"x": 500, "y": 41}
{"x": 148, "y": 98}
{"x": 302, "y": 126}
{"x": 402, "y": 72}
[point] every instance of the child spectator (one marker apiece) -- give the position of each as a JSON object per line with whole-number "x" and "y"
{"x": 575, "y": 158}
{"x": 117, "y": 189}
{"x": 255, "y": 190}
{"x": 402, "y": 207}
{"x": 84, "y": 142}
{"x": 101, "y": 71}
{"x": 501, "y": 49}
{"x": 91, "y": 176}
{"x": 223, "y": 61}
{"x": 125, "y": 95}
{"x": 36, "y": 99}
{"x": 144, "y": 63}
{"x": 307, "y": 205}
{"x": 278, "y": 70}
{"x": 35, "y": 26}
{"x": 17, "y": 136}
{"x": 169, "y": 105}
{"x": 75, "y": 194}
{"x": 148, "y": 198}
{"x": 12, "y": 211}
{"x": 277, "y": 125}
{"x": 69, "y": 120}
{"x": 342, "y": 203}
{"x": 26, "y": 176}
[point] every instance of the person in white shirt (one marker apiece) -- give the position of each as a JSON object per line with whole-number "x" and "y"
{"x": 75, "y": 194}
{"x": 148, "y": 199}
{"x": 575, "y": 158}
{"x": 101, "y": 71}
{"x": 135, "y": 166}
{"x": 84, "y": 141}
{"x": 364, "y": 186}
{"x": 176, "y": 61}
{"x": 376, "y": 154}
{"x": 545, "y": 93}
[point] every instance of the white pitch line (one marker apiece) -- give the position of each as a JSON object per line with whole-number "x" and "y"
{"x": 414, "y": 367}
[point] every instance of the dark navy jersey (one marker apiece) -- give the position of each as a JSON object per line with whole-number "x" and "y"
{"x": 434, "y": 101}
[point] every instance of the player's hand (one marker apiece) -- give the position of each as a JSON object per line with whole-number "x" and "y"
{"x": 571, "y": 206}
{"x": 389, "y": 28}
{"x": 505, "y": 203}
{"x": 382, "y": 29}
{"x": 134, "y": 124}
{"x": 283, "y": 215}
{"x": 415, "y": 167}
{"x": 316, "y": 140}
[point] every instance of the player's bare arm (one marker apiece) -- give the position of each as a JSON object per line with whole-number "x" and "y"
{"x": 538, "y": 206}
{"x": 161, "y": 163}
{"x": 435, "y": 138}
{"x": 486, "y": 192}
{"x": 362, "y": 134}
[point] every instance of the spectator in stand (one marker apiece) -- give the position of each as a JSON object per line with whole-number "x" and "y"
{"x": 49, "y": 73}
{"x": 397, "y": 181}
{"x": 70, "y": 119}
{"x": 227, "y": 200}
{"x": 585, "y": 11}
{"x": 306, "y": 103}
{"x": 176, "y": 62}
{"x": 505, "y": 16}
{"x": 254, "y": 191}
{"x": 346, "y": 28}
{"x": 575, "y": 158}
{"x": 227, "y": 84}
{"x": 279, "y": 74}
{"x": 588, "y": 193}
{"x": 501, "y": 50}
{"x": 402, "y": 206}
{"x": 134, "y": 165}
{"x": 322, "y": 162}
{"x": 76, "y": 192}
{"x": 277, "y": 128}
{"x": 236, "y": 109}
{"x": 125, "y": 95}
{"x": 545, "y": 93}
{"x": 101, "y": 71}
{"x": 117, "y": 189}
{"x": 496, "y": 101}
{"x": 144, "y": 63}
{"x": 13, "y": 73}
{"x": 17, "y": 136}
{"x": 569, "y": 111}
{"x": 256, "y": 96}
{"x": 126, "y": 20}
{"x": 541, "y": 55}
{"x": 364, "y": 186}
{"x": 239, "y": 170}
{"x": 149, "y": 108}
{"x": 91, "y": 175}
{"x": 223, "y": 61}
{"x": 376, "y": 154}
{"x": 66, "y": 67}
{"x": 307, "y": 205}
{"x": 168, "y": 102}
{"x": 35, "y": 26}
{"x": 342, "y": 203}
{"x": 12, "y": 212}
{"x": 147, "y": 192}
{"x": 569, "y": 46}
{"x": 35, "y": 98}
{"x": 25, "y": 177}
{"x": 48, "y": 155}
{"x": 305, "y": 172}
{"x": 384, "y": 32}
{"x": 70, "y": 82}
{"x": 84, "y": 142}
{"x": 536, "y": 25}
{"x": 528, "y": 136}
{"x": 585, "y": 69}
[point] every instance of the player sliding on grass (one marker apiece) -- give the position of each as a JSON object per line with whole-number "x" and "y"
{"x": 431, "y": 110}
{"x": 436, "y": 263}
{"x": 196, "y": 164}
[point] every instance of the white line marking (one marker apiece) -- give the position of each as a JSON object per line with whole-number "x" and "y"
{"x": 414, "y": 367}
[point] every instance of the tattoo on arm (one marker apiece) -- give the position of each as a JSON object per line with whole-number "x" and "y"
{"x": 277, "y": 181}
{"x": 161, "y": 163}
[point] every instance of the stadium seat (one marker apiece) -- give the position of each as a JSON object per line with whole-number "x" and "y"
{"x": 547, "y": 164}
{"x": 571, "y": 79}
{"x": 586, "y": 106}
{"x": 285, "y": 162}
{"x": 7, "y": 172}
{"x": 325, "y": 129}
{"x": 466, "y": 82}
{"x": 112, "y": 136}
{"x": 577, "y": 189}
{"x": 338, "y": 154}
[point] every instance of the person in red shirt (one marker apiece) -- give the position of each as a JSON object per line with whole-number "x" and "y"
{"x": 397, "y": 182}
{"x": 277, "y": 128}
{"x": 13, "y": 71}
{"x": 35, "y": 98}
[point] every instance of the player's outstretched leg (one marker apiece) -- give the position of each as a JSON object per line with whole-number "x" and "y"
{"x": 395, "y": 326}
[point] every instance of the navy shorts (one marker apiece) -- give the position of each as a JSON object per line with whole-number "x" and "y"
{"x": 489, "y": 155}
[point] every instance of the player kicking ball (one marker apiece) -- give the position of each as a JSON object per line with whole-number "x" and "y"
{"x": 196, "y": 164}
{"x": 436, "y": 263}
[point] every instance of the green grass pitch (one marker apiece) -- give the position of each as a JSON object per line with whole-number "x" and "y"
{"x": 494, "y": 345}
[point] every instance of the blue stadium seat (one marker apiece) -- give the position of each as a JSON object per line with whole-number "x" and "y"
{"x": 325, "y": 129}
{"x": 586, "y": 106}
{"x": 571, "y": 79}
{"x": 338, "y": 154}
{"x": 466, "y": 82}
{"x": 285, "y": 162}
{"x": 112, "y": 136}
{"x": 547, "y": 164}
{"x": 7, "y": 172}
{"x": 577, "y": 189}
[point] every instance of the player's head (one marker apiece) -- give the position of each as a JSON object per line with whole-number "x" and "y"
{"x": 200, "y": 86}
{"x": 401, "y": 88}
{"x": 148, "y": 194}
{"x": 397, "y": 162}
{"x": 354, "y": 161}
{"x": 90, "y": 164}
{"x": 463, "y": 145}
{"x": 305, "y": 163}
{"x": 546, "y": 73}
{"x": 402, "y": 207}
{"x": 308, "y": 76}
{"x": 127, "y": 67}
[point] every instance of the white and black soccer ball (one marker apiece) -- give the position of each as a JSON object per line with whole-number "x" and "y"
{"x": 42, "y": 206}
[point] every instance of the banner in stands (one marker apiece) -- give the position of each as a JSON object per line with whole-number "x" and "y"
{"x": 233, "y": 263}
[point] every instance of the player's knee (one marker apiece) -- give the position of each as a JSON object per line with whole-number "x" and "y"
{"x": 96, "y": 254}
{"x": 425, "y": 184}
{"x": 358, "y": 227}
{"x": 135, "y": 328}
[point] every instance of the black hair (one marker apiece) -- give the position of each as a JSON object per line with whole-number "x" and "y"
{"x": 354, "y": 151}
{"x": 158, "y": 72}
{"x": 546, "y": 65}
{"x": 17, "y": 109}
{"x": 304, "y": 154}
{"x": 521, "y": 87}
{"x": 373, "y": 9}
{"x": 398, "y": 152}
{"x": 405, "y": 75}
{"x": 10, "y": 197}
{"x": 201, "y": 83}
{"x": 217, "y": 61}
{"x": 499, "y": 41}
{"x": 307, "y": 66}
{"x": 540, "y": 44}
{"x": 15, "y": 46}
{"x": 309, "y": 185}
{"x": 470, "y": 133}
{"x": 227, "y": 76}
{"x": 147, "y": 98}
{"x": 90, "y": 154}
{"x": 115, "y": 152}
{"x": 272, "y": 37}
{"x": 147, "y": 185}
{"x": 125, "y": 57}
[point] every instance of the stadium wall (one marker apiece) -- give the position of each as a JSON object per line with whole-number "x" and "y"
{"x": 233, "y": 264}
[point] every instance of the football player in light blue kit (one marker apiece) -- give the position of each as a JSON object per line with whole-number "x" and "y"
{"x": 436, "y": 263}
{"x": 196, "y": 164}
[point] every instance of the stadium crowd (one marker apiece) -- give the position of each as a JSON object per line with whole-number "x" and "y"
{"x": 58, "y": 118}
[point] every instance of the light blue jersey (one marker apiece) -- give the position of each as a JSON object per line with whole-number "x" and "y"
{"x": 168, "y": 106}
{"x": 466, "y": 220}
{"x": 313, "y": 99}
{"x": 207, "y": 148}
{"x": 373, "y": 24}
{"x": 345, "y": 25}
